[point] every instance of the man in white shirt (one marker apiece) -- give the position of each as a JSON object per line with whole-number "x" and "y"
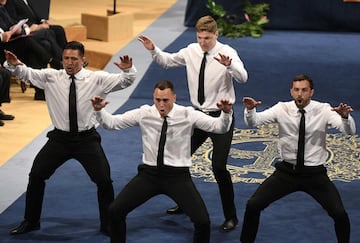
{"x": 74, "y": 134}
{"x": 222, "y": 65}
{"x": 163, "y": 171}
{"x": 299, "y": 171}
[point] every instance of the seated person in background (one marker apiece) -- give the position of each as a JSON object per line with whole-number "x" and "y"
{"x": 166, "y": 137}
{"x": 24, "y": 10}
{"x": 4, "y": 93}
{"x": 30, "y": 51}
{"x": 41, "y": 32}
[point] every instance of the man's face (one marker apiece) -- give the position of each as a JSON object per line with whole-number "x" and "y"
{"x": 72, "y": 61}
{"x": 164, "y": 101}
{"x": 301, "y": 93}
{"x": 206, "y": 40}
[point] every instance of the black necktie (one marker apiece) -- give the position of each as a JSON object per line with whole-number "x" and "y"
{"x": 160, "y": 156}
{"x": 301, "y": 142}
{"x": 72, "y": 106}
{"x": 201, "y": 96}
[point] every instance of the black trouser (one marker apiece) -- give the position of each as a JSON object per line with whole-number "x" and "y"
{"x": 285, "y": 180}
{"x": 221, "y": 148}
{"x": 47, "y": 38}
{"x": 59, "y": 35}
{"x": 4, "y": 85}
{"x": 149, "y": 182}
{"x": 29, "y": 51}
{"x": 62, "y": 146}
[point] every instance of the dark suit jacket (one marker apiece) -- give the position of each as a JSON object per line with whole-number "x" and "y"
{"x": 40, "y": 7}
{"x": 19, "y": 9}
{"x": 29, "y": 50}
{"x": 23, "y": 11}
{"x": 52, "y": 39}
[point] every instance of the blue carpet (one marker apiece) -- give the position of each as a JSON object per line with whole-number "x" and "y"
{"x": 70, "y": 211}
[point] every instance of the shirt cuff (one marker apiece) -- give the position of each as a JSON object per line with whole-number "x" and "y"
{"x": 9, "y": 67}
{"x": 128, "y": 70}
{"x": 155, "y": 51}
{"x": 27, "y": 29}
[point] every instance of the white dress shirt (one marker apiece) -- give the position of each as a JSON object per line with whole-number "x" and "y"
{"x": 318, "y": 119}
{"x": 181, "y": 123}
{"x": 218, "y": 78}
{"x": 56, "y": 85}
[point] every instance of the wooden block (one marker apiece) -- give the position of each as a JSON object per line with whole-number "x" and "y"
{"x": 108, "y": 28}
{"x": 97, "y": 60}
{"x": 76, "y": 32}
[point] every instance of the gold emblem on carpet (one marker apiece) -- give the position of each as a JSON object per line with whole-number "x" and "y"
{"x": 254, "y": 151}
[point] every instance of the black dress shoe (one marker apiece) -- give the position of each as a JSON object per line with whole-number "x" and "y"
{"x": 25, "y": 227}
{"x": 6, "y": 117}
{"x": 1, "y": 123}
{"x": 174, "y": 210}
{"x": 229, "y": 225}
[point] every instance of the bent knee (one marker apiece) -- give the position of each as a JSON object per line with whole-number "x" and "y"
{"x": 340, "y": 215}
{"x": 253, "y": 205}
{"x": 117, "y": 210}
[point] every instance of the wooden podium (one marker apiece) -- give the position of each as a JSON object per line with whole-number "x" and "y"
{"x": 111, "y": 27}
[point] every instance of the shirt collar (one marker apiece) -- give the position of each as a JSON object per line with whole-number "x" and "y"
{"x": 170, "y": 114}
{"x": 212, "y": 51}
{"x": 79, "y": 75}
{"x": 306, "y": 108}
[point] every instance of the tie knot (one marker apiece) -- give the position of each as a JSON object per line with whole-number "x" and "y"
{"x": 302, "y": 111}
{"x": 72, "y": 77}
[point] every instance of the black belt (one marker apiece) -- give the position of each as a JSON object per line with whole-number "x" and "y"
{"x": 164, "y": 171}
{"x": 71, "y": 137}
{"x": 81, "y": 133}
{"x": 211, "y": 113}
{"x": 291, "y": 168}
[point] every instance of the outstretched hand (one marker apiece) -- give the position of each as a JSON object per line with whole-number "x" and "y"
{"x": 250, "y": 103}
{"x": 98, "y": 103}
{"x": 224, "y": 60}
{"x": 11, "y": 58}
{"x": 225, "y": 105}
{"x": 147, "y": 42}
{"x": 126, "y": 62}
{"x": 343, "y": 110}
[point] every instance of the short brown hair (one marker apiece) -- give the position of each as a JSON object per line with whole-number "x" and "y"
{"x": 206, "y": 23}
{"x": 302, "y": 77}
{"x": 75, "y": 45}
{"x": 164, "y": 84}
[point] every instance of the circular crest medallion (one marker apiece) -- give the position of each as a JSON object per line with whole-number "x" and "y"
{"x": 254, "y": 151}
